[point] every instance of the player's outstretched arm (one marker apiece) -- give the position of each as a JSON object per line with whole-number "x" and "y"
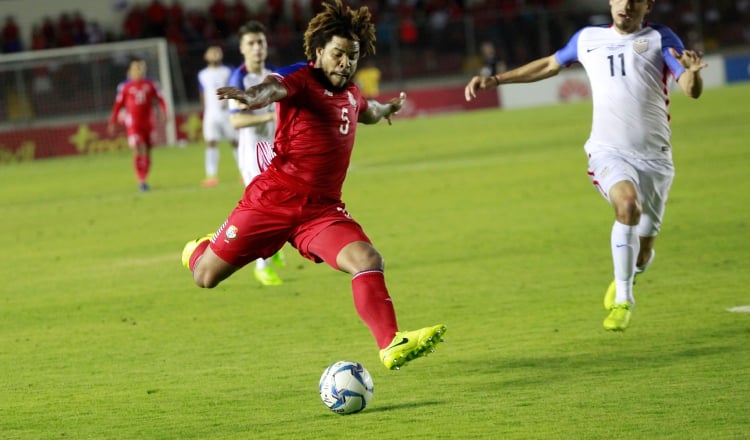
{"x": 534, "y": 71}
{"x": 377, "y": 110}
{"x": 258, "y": 96}
{"x": 690, "y": 81}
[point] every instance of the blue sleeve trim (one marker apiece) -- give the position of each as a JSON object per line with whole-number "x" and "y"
{"x": 288, "y": 70}
{"x": 670, "y": 39}
{"x": 569, "y": 54}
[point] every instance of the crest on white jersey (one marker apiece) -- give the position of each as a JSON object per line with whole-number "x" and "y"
{"x": 640, "y": 45}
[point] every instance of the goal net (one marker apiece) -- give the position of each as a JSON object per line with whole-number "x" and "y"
{"x": 41, "y": 92}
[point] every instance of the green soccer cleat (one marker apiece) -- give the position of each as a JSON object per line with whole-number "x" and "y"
{"x": 278, "y": 259}
{"x": 407, "y": 346}
{"x": 267, "y": 276}
{"x": 609, "y": 295}
{"x": 189, "y": 248}
{"x": 619, "y": 317}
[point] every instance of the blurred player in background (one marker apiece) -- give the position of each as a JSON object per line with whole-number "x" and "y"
{"x": 137, "y": 96}
{"x": 629, "y": 151}
{"x": 492, "y": 63}
{"x": 297, "y": 199}
{"x": 255, "y": 127}
{"x": 216, "y": 124}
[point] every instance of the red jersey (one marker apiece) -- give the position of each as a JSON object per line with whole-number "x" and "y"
{"x": 137, "y": 97}
{"x": 315, "y": 128}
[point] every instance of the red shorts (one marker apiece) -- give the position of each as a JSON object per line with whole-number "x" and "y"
{"x": 272, "y": 213}
{"x": 139, "y": 137}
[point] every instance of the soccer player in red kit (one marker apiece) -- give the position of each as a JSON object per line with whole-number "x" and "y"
{"x": 137, "y": 95}
{"x": 297, "y": 199}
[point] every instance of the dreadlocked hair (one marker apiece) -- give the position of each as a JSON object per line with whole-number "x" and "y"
{"x": 339, "y": 20}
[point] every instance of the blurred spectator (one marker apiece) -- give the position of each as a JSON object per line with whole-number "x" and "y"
{"x": 156, "y": 15}
{"x": 94, "y": 33}
{"x": 275, "y": 13}
{"x": 48, "y": 31}
{"x": 299, "y": 16}
{"x": 176, "y": 36}
{"x": 78, "y": 28}
{"x": 218, "y": 13}
{"x": 134, "y": 24}
{"x": 11, "y": 36}
{"x": 176, "y": 11}
{"x": 492, "y": 63}
{"x": 238, "y": 15}
{"x": 38, "y": 41}
{"x": 64, "y": 33}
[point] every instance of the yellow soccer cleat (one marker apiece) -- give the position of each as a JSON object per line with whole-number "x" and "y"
{"x": 407, "y": 346}
{"x": 189, "y": 248}
{"x": 267, "y": 276}
{"x": 609, "y": 295}
{"x": 619, "y": 317}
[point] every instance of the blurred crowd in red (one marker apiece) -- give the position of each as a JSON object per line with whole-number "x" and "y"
{"x": 718, "y": 22}
{"x": 416, "y": 38}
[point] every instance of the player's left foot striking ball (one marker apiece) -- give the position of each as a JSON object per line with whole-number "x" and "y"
{"x": 619, "y": 317}
{"x": 189, "y": 248}
{"x": 407, "y": 346}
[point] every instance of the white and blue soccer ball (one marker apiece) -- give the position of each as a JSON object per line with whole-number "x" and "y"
{"x": 346, "y": 387}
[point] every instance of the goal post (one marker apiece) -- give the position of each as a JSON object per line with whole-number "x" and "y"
{"x": 77, "y": 85}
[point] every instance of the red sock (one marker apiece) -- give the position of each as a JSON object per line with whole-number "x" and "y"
{"x": 146, "y": 166}
{"x": 197, "y": 253}
{"x": 374, "y": 305}
{"x": 141, "y": 164}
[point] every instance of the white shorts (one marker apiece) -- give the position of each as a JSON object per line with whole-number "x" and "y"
{"x": 217, "y": 127}
{"x": 653, "y": 179}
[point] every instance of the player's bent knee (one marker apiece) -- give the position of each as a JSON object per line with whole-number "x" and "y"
{"x": 358, "y": 257}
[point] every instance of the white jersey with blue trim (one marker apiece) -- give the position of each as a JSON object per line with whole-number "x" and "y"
{"x": 242, "y": 79}
{"x": 210, "y": 79}
{"x": 629, "y": 76}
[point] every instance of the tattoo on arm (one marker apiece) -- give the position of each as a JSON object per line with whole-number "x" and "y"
{"x": 264, "y": 93}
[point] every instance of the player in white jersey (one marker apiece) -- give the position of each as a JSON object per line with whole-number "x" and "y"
{"x": 629, "y": 150}
{"x": 216, "y": 124}
{"x": 255, "y": 127}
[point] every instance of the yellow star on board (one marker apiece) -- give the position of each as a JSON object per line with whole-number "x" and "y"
{"x": 192, "y": 127}
{"x": 83, "y": 137}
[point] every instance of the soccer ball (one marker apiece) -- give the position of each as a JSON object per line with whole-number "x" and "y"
{"x": 346, "y": 387}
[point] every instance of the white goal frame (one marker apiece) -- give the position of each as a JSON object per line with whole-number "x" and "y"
{"x": 10, "y": 62}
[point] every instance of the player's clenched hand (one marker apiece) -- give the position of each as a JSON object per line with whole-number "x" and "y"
{"x": 232, "y": 93}
{"x": 479, "y": 83}
{"x": 395, "y": 105}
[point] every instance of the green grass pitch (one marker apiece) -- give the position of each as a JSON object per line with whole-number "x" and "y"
{"x": 488, "y": 224}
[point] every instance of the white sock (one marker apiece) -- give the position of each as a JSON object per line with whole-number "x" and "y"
{"x": 641, "y": 269}
{"x": 625, "y": 246}
{"x": 212, "y": 161}
{"x": 261, "y": 263}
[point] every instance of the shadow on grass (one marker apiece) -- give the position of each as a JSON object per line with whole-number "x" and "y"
{"x": 421, "y": 404}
